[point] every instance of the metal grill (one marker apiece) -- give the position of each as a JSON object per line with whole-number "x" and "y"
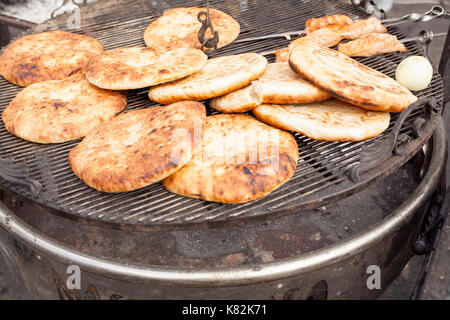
{"x": 321, "y": 175}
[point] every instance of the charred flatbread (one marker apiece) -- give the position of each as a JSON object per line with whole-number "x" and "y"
{"x": 218, "y": 77}
{"x": 134, "y": 67}
{"x": 139, "y": 147}
{"x": 52, "y": 55}
{"x": 349, "y": 80}
{"x": 242, "y": 159}
{"x": 179, "y": 27}
{"x": 331, "y": 120}
{"x": 56, "y": 111}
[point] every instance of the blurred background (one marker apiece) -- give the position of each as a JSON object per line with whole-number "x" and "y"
{"x": 16, "y": 16}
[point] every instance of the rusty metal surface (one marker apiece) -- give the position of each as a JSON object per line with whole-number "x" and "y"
{"x": 321, "y": 176}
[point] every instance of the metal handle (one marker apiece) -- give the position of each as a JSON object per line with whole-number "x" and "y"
{"x": 18, "y": 173}
{"x": 435, "y": 12}
{"x": 373, "y": 155}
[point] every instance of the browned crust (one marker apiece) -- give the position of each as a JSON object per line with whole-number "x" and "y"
{"x": 331, "y": 120}
{"x": 136, "y": 67}
{"x": 139, "y": 147}
{"x": 349, "y": 80}
{"x": 318, "y": 23}
{"x": 52, "y": 55}
{"x": 210, "y": 177}
{"x": 56, "y": 111}
{"x": 372, "y": 44}
{"x": 218, "y": 77}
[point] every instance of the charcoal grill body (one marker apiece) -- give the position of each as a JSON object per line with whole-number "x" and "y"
{"x": 313, "y": 238}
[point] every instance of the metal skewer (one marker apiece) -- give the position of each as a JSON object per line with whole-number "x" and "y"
{"x": 434, "y": 12}
{"x": 425, "y": 36}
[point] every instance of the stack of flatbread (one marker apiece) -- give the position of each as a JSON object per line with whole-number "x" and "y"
{"x": 76, "y": 90}
{"x": 322, "y": 94}
{"x": 367, "y": 37}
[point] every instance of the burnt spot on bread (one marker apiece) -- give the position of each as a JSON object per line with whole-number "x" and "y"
{"x": 59, "y": 105}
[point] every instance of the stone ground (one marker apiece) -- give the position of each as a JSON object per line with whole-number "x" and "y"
{"x": 401, "y": 288}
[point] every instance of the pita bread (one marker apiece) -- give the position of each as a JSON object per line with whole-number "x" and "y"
{"x": 52, "y": 55}
{"x": 61, "y": 110}
{"x": 279, "y": 84}
{"x": 241, "y": 160}
{"x": 179, "y": 27}
{"x": 133, "y": 68}
{"x": 331, "y": 120}
{"x": 349, "y": 80}
{"x": 218, "y": 77}
{"x": 139, "y": 147}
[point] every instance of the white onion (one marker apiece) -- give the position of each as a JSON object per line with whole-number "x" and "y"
{"x": 414, "y": 73}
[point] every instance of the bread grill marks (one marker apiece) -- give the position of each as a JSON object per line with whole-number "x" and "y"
{"x": 139, "y": 147}
{"x": 51, "y": 55}
{"x": 241, "y": 160}
{"x": 349, "y": 80}
{"x": 56, "y": 111}
{"x": 135, "y": 67}
{"x": 178, "y": 28}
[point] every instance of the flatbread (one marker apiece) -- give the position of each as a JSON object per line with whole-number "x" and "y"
{"x": 279, "y": 84}
{"x": 56, "y": 111}
{"x": 241, "y": 100}
{"x": 241, "y": 160}
{"x": 179, "y": 27}
{"x": 218, "y": 77}
{"x": 349, "y": 80}
{"x": 134, "y": 67}
{"x": 331, "y": 120}
{"x": 52, "y": 55}
{"x": 139, "y": 147}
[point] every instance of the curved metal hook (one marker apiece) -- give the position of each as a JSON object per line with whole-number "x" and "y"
{"x": 210, "y": 43}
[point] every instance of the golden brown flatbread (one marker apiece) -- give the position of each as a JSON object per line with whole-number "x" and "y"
{"x": 139, "y": 147}
{"x": 241, "y": 100}
{"x": 179, "y": 27}
{"x": 349, "y": 80}
{"x": 134, "y": 67}
{"x": 331, "y": 120}
{"x": 242, "y": 159}
{"x": 279, "y": 84}
{"x": 218, "y": 77}
{"x": 56, "y": 111}
{"x": 52, "y": 55}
